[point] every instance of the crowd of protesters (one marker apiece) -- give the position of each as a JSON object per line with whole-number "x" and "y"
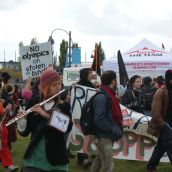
{"x": 47, "y": 149}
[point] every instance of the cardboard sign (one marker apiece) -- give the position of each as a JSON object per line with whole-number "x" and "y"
{"x": 35, "y": 59}
{"x": 59, "y": 121}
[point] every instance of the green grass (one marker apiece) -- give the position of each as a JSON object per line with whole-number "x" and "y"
{"x": 18, "y": 149}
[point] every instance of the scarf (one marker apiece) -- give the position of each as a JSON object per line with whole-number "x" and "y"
{"x": 116, "y": 110}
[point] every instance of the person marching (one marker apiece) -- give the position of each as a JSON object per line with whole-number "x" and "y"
{"x": 161, "y": 123}
{"x": 7, "y": 94}
{"x": 47, "y": 148}
{"x": 85, "y": 80}
{"x": 108, "y": 122}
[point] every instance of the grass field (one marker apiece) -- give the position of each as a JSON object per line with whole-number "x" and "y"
{"x": 120, "y": 165}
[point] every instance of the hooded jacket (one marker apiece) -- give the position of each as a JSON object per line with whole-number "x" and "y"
{"x": 84, "y": 78}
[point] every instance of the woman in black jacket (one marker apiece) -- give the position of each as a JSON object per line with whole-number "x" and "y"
{"x": 47, "y": 148}
{"x": 132, "y": 97}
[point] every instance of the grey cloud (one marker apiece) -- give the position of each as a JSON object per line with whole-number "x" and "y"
{"x": 112, "y": 22}
{"x": 116, "y": 22}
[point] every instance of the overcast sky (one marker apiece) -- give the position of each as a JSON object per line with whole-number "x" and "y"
{"x": 118, "y": 24}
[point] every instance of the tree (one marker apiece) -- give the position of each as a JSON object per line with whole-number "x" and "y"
{"x": 19, "y": 63}
{"x": 33, "y": 41}
{"x": 63, "y": 51}
{"x": 75, "y": 45}
{"x": 96, "y": 61}
{"x": 100, "y": 52}
{"x": 55, "y": 61}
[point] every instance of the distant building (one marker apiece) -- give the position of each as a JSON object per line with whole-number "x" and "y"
{"x": 11, "y": 65}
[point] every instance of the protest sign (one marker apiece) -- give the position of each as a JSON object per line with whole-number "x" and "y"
{"x": 136, "y": 143}
{"x": 35, "y": 59}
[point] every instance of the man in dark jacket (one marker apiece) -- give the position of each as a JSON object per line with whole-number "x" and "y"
{"x": 85, "y": 80}
{"x": 161, "y": 123}
{"x": 108, "y": 122}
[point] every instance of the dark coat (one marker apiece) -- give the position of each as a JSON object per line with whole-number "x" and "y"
{"x": 84, "y": 78}
{"x": 132, "y": 100}
{"x": 55, "y": 143}
{"x": 159, "y": 110}
{"x": 147, "y": 96}
{"x": 105, "y": 126}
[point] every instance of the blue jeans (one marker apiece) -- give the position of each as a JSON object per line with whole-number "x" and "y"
{"x": 164, "y": 144}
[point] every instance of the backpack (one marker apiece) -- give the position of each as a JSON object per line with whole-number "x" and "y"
{"x": 87, "y": 117}
{"x": 148, "y": 97}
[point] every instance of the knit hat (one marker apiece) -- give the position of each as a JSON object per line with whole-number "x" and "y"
{"x": 46, "y": 79}
{"x": 168, "y": 75}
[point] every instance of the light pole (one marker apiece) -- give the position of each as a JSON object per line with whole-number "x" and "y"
{"x": 70, "y": 39}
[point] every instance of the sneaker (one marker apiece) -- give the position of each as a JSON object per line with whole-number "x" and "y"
{"x": 12, "y": 168}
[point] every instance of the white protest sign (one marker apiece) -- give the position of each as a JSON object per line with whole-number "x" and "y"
{"x": 79, "y": 96}
{"x": 136, "y": 144}
{"x": 35, "y": 59}
{"x": 59, "y": 121}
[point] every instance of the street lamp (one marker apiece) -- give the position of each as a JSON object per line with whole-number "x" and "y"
{"x": 70, "y": 39}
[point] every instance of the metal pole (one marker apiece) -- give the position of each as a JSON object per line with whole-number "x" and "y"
{"x": 4, "y": 55}
{"x": 69, "y": 48}
{"x": 70, "y": 41}
{"x": 15, "y": 56}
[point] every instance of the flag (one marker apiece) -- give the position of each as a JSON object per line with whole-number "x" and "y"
{"x": 163, "y": 47}
{"x": 96, "y": 61}
{"x": 76, "y": 55}
{"x": 123, "y": 76}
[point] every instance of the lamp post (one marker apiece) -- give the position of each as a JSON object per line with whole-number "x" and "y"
{"x": 70, "y": 39}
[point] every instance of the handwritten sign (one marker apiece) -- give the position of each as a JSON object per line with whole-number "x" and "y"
{"x": 35, "y": 59}
{"x": 136, "y": 143}
{"x": 59, "y": 121}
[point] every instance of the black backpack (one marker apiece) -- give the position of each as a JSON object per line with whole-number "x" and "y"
{"x": 148, "y": 97}
{"x": 87, "y": 117}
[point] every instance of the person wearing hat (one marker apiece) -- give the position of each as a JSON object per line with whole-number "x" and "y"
{"x": 47, "y": 148}
{"x": 161, "y": 123}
